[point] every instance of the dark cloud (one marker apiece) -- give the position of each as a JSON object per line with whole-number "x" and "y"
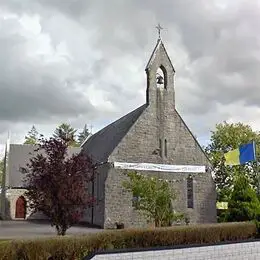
{"x": 84, "y": 61}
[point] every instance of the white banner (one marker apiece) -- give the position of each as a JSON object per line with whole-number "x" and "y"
{"x": 160, "y": 167}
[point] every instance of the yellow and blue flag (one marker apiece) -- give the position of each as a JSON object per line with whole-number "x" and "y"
{"x": 245, "y": 153}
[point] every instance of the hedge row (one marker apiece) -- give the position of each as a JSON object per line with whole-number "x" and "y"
{"x": 79, "y": 246}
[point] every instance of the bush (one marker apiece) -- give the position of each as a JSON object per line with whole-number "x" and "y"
{"x": 155, "y": 198}
{"x": 244, "y": 204}
{"x": 71, "y": 248}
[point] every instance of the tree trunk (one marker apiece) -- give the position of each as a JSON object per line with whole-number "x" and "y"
{"x": 157, "y": 223}
{"x": 61, "y": 231}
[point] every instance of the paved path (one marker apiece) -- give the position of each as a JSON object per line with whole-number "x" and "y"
{"x": 236, "y": 251}
{"x": 24, "y": 229}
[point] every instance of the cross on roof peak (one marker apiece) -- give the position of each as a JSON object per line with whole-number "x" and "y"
{"x": 159, "y": 28}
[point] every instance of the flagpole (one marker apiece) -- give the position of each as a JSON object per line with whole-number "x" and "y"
{"x": 257, "y": 171}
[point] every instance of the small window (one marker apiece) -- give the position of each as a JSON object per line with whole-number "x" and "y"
{"x": 160, "y": 147}
{"x": 190, "y": 202}
{"x": 135, "y": 201}
{"x": 165, "y": 148}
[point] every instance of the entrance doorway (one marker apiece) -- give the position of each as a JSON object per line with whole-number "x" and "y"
{"x": 20, "y": 208}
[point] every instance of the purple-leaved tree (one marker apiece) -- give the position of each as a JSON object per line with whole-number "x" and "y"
{"x": 58, "y": 184}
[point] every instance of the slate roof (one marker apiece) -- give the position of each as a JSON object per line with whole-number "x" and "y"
{"x": 100, "y": 145}
{"x": 19, "y": 155}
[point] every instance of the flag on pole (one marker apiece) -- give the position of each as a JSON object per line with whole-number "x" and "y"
{"x": 245, "y": 153}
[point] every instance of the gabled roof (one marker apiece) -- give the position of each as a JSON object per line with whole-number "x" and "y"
{"x": 154, "y": 53}
{"x": 19, "y": 155}
{"x": 100, "y": 145}
{"x": 193, "y": 136}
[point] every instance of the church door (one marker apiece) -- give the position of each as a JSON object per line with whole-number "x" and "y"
{"x": 20, "y": 208}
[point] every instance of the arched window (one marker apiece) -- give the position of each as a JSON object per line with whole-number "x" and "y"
{"x": 161, "y": 77}
{"x": 190, "y": 201}
{"x": 160, "y": 147}
{"x": 165, "y": 148}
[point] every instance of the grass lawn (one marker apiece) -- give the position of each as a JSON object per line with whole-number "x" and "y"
{"x": 3, "y": 241}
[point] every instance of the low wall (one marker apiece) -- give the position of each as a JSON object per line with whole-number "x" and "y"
{"x": 228, "y": 251}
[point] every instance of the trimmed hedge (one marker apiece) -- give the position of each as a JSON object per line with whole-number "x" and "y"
{"x": 61, "y": 248}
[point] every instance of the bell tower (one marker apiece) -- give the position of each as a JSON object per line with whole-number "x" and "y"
{"x": 160, "y": 94}
{"x": 160, "y": 76}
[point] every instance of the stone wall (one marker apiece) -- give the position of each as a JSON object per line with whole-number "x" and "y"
{"x": 12, "y": 196}
{"x": 99, "y": 194}
{"x": 118, "y": 202}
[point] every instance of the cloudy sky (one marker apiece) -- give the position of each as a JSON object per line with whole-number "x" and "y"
{"x": 83, "y": 61}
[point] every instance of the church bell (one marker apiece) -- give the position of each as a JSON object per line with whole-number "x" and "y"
{"x": 159, "y": 79}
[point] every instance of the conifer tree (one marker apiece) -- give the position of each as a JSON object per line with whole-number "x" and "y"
{"x": 66, "y": 132}
{"x": 32, "y": 137}
{"x": 82, "y": 136}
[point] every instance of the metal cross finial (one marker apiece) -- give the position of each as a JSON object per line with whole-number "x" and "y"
{"x": 159, "y": 28}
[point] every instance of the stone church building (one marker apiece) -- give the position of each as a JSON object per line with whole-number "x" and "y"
{"x": 152, "y": 140}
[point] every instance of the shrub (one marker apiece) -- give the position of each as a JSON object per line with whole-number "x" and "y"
{"x": 244, "y": 204}
{"x": 71, "y": 248}
{"x": 155, "y": 198}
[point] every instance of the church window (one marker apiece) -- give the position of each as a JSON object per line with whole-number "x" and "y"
{"x": 160, "y": 147}
{"x": 165, "y": 148}
{"x": 190, "y": 202}
{"x": 161, "y": 77}
{"x": 135, "y": 201}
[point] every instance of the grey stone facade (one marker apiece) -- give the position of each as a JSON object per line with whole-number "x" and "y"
{"x": 154, "y": 133}
{"x": 118, "y": 202}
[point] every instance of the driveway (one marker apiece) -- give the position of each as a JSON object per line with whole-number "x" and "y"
{"x": 24, "y": 229}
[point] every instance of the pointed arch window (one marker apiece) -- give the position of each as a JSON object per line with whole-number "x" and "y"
{"x": 160, "y": 147}
{"x": 190, "y": 199}
{"x": 165, "y": 148}
{"x": 161, "y": 77}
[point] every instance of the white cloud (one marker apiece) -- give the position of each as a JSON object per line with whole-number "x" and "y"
{"x": 84, "y": 62}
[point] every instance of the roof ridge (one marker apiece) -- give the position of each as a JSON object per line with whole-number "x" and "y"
{"x": 195, "y": 139}
{"x": 124, "y": 116}
{"x": 101, "y": 144}
{"x": 159, "y": 41}
{"x": 158, "y": 44}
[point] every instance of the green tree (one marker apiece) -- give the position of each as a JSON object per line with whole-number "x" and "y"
{"x": 243, "y": 204}
{"x": 153, "y": 198}
{"x": 83, "y": 135}
{"x": 66, "y": 132}
{"x": 227, "y": 137}
{"x": 32, "y": 137}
